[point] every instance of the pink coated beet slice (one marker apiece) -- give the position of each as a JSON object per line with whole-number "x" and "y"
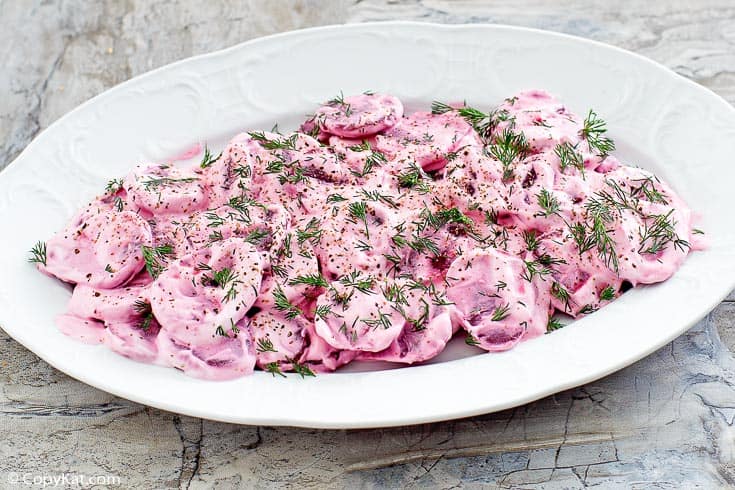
{"x": 198, "y": 301}
{"x": 497, "y": 306}
{"x": 428, "y": 138}
{"x": 101, "y": 250}
{"x": 358, "y": 116}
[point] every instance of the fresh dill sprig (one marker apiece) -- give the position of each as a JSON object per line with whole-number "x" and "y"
{"x": 311, "y": 233}
{"x": 265, "y": 345}
{"x": 414, "y": 178}
{"x": 355, "y": 280}
{"x": 374, "y": 159}
{"x": 274, "y": 166}
{"x": 285, "y": 249}
{"x": 364, "y": 146}
{"x": 491, "y": 217}
{"x": 647, "y": 189}
{"x": 587, "y": 309}
{"x": 143, "y": 308}
{"x": 383, "y": 320}
{"x": 507, "y": 148}
{"x": 579, "y": 234}
{"x": 323, "y": 311}
{"x": 279, "y": 270}
{"x": 420, "y": 322}
{"x": 561, "y": 293}
{"x": 593, "y": 131}
{"x": 619, "y": 199}
{"x": 453, "y": 215}
{"x": 224, "y": 278}
{"x": 214, "y": 220}
{"x": 500, "y": 313}
{"x": 452, "y": 155}
{"x": 399, "y": 239}
{"x": 256, "y": 236}
{"x": 607, "y": 294}
{"x": 569, "y": 157}
{"x": 215, "y": 236}
{"x": 281, "y": 303}
{"x": 301, "y": 369}
{"x": 242, "y": 205}
{"x": 339, "y": 100}
{"x": 396, "y": 294}
{"x": 531, "y": 240}
{"x": 423, "y": 244}
{"x": 155, "y": 183}
{"x": 438, "y": 107}
{"x": 358, "y": 212}
{"x": 155, "y": 257}
{"x": 542, "y": 266}
{"x": 395, "y": 261}
{"x": 314, "y": 280}
{"x": 656, "y": 235}
{"x": 208, "y": 159}
{"x": 293, "y": 175}
{"x": 554, "y": 324}
{"x": 335, "y": 198}
{"x": 38, "y": 253}
{"x": 601, "y": 215}
{"x": 471, "y": 340}
{"x": 279, "y": 143}
{"x": 274, "y": 368}
{"x": 483, "y": 123}
{"x": 376, "y": 196}
{"x": 113, "y": 186}
{"x": 243, "y": 171}
{"x": 548, "y": 203}
{"x": 317, "y": 123}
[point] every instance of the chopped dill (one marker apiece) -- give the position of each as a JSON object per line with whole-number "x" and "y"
{"x": 500, "y": 313}
{"x": 281, "y": 303}
{"x": 314, "y": 280}
{"x": 38, "y": 253}
{"x": 114, "y": 186}
{"x": 547, "y": 202}
{"x": 265, "y": 345}
{"x": 593, "y": 131}
{"x": 507, "y": 148}
{"x": 607, "y": 294}
{"x": 143, "y": 308}
{"x": 471, "y": 340}
{"x": 569, "y": 157}
{"x": 554, "y": 324}
{"x": 274, "y": 368}
{"x": 155, "y": 257}
{"x": 278, "y": 143}
{"x": 208, "y": 159}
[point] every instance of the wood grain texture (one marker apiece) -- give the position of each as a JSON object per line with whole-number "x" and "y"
{"x": 665, "y": 422}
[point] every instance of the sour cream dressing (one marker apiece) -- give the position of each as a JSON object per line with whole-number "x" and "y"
{"x": 369, "y": 234}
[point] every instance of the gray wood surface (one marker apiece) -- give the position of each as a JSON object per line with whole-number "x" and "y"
{"x": 665, "y": 422}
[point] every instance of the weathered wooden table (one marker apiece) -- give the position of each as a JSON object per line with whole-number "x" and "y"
{"x": 665, "y": 422}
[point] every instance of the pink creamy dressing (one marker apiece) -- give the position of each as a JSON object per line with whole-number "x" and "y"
{"x": 369, "y": 235}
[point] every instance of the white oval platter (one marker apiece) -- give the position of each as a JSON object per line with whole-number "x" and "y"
{"x": 660, "y": 121}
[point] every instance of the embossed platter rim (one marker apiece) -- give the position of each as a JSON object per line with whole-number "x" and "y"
{"x": 660, "y": 120}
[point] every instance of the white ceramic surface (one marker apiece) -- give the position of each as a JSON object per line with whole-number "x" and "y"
{"x": 659, "y": 120}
